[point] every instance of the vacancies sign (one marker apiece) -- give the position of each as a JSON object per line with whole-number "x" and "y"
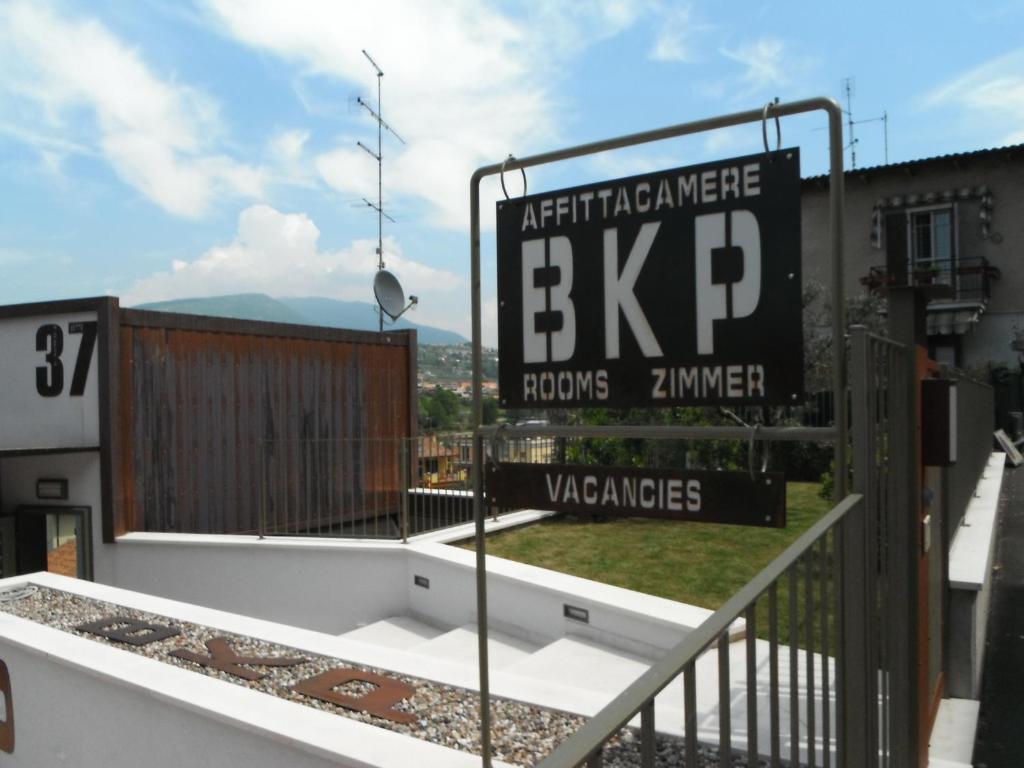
{"x": 704, "y": 496}
{"x": 680, "y": 287}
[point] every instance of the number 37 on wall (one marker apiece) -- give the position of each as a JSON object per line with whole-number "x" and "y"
{"x": 50, "y": 341}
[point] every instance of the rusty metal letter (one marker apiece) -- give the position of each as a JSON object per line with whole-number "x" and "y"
{"x": 379, "y": 701}
{"x": 127, "y": 630}
{"x": 7, "y": 725}
{"x": 223, "y": 657}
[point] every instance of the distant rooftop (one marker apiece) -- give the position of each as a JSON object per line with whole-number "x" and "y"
{"x": 955, "y": 157}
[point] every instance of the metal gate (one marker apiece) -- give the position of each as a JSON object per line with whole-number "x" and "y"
{"x": 879, "y": 566}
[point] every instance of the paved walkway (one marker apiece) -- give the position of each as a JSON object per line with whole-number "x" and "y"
{"x": 1000, "y": 740}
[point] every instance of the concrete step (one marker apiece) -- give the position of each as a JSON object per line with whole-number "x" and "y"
{"x": 460, "y": 646}
{"x": 402, "y": 632}
{"x": 583, "y": 664}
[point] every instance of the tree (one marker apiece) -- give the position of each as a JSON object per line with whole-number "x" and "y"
{"x": 439, "y": 410}
{"x": 490, "y": 410}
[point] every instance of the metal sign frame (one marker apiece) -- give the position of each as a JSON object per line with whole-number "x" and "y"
{"x": 837, "y": 433}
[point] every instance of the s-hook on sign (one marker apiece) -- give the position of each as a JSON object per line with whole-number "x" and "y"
{"x": 680, "y": 287}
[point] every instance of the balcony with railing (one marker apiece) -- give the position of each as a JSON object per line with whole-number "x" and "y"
{"x": 967, "y": 280}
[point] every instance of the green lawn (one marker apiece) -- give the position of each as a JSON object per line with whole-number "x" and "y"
{"x": 696, "y": 563}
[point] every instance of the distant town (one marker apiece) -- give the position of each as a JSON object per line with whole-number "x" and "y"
{"x": 451, "y": 366}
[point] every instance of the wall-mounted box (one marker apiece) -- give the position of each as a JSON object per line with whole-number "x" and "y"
{"x": 938, "y": 427}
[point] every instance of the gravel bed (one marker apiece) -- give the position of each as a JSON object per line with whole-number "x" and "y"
{"x": 522, "y": 734}
{"x": 624, "y": 752}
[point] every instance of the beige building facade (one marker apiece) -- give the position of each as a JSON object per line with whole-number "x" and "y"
{"x": 953, "y": 225}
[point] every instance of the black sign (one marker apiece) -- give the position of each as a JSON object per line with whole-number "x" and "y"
{"x": 680, "y": 287}
{"x": 699, "y": 495}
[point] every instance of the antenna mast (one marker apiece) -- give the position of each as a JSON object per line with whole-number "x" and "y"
{"x": 848, "y": 86}
{"x": 379, "y": 157}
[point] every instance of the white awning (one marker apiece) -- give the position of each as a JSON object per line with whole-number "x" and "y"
{"x": 956, "y": 319}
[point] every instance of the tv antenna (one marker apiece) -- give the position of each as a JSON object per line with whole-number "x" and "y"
{"x": 848, "y": 86}
{"x": 379, "y": 157}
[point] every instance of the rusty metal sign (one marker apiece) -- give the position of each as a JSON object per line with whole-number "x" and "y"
{"x": 123, "y": 629}
{"x": 223, "y": 657}
{"x": 385, "y": 692}
{"x": 7, "y": 724}
{"x": 733, "y": 498}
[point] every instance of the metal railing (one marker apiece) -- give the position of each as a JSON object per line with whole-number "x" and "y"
{"x": 969, "y": 278}
{"x": 787, "y": 691}
{"x": 394, "y": 488}
{"x": 383, "y": 488}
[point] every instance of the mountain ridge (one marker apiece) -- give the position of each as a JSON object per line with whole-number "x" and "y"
{"x": 306, "y": 310}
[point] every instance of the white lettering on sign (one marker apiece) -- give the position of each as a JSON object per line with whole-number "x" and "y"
{"x": 690, "y": 189}
{"x": 551, "y": 386}
{"x": 711, "y": 382}
{"x": 549, "y": 301}
{"x": 732, "y": 239}
{"x": 624, "y": 492}
{"x": 728, "y": 276}
{"x": 619, "y": 293}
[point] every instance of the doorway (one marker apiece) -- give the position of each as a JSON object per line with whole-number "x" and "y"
{"x": 55, "y": 539}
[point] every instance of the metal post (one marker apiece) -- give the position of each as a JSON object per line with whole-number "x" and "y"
{"x": 855, "y": 707}
{"x": 403, "y": 473}
{"x": 836, "y": 188}
{"x": 264, "y": 490}
{"x": 647, "y": 745}
{"x": 904, "y": 549}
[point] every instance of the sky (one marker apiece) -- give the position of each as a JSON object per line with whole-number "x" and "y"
{"x": 156, "y": 150}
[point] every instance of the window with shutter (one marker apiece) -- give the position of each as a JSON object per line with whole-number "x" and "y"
{"x": 920, "y": 246}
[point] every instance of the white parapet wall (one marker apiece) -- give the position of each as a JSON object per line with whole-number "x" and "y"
{"x": 970, "y": 583}
{"x": 334, "y": 586}
{"x": 70, "y": 700}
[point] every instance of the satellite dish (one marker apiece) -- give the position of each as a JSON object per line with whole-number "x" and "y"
{"x": 389, "y": 294}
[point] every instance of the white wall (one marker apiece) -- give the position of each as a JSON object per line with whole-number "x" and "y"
{"x": 528, "y": 601}
{"x": 334, "y": 586}
{"x": 84, "y": 704}
{"x": 328, "y": 586}
{"x": 66, "y": 716}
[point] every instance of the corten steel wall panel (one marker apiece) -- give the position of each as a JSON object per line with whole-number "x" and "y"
{"x": 221, "y": 419}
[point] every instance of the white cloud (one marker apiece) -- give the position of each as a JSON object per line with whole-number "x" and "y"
{"x": 677, "y": 28}
{"x": 288, "y": 158}
{"x": 12, "y": 257}
{"x": 465, "y": 83}
{"x": 279, "y": 254}
{"x": 762, "y": 61}
{"x": 992, "y": 94}
{"x": 156, "y": 133}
